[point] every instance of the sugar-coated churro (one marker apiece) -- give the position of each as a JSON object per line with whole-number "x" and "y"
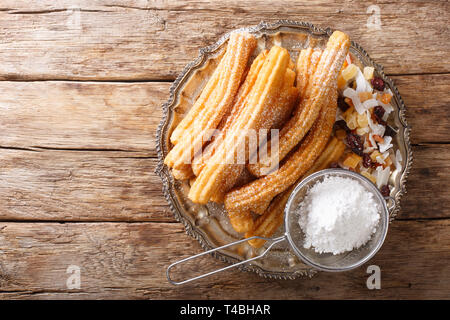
{"x": 325, "y": 74}
{"x": 332, "y": 152}
{"x": 259, "y": 193}
{"x": 215, "y": 105}
{"x": 239, "y": 103}
{"x": 223, "y": 165}
{"x": 266, "y": 224}
{"x": 183, "y": 173}
{"x": 241, "y": 221}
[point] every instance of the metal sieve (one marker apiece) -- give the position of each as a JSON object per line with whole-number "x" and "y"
{"x": 294, "y": 234}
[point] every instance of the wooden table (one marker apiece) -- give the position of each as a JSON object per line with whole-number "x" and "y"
{"x": 82, "y": 86}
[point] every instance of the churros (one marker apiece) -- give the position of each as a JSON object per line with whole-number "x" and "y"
{"x": 333, "y": 151}
{"x": 239, "y": 103}
{"x": 218, "y": 146}
{"x": 266, "y": 224}
{"x": 314, "y": 90}
{"x": 213, "y": 105}
{"x": 223, "y": 166}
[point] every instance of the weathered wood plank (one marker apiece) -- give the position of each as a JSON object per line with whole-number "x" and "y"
{"x": 124, "y": 116}
{"x": 429, "y": 176}
{"x": 428, "y": 103}
{"x": 119, "y": 260}
{"x": 155, "y": 39}
{"x": 114, "y": 186}
{"x": 86, "y": 186}
{"x": 120, "y": 116}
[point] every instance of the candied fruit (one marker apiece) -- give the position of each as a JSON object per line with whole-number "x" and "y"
{"x": 349, "y": 72}
{"x": 386, "y": 98}
{"x": 368, "y": 72}
{"x": 352, "y": 160}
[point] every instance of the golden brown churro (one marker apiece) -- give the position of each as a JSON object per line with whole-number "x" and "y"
{"x": 215, "y": 105}
{"x": 325, "y": 73}
{"x": 332, "y": 152}
{"x": 266, "y": 224}
{"x": 224, "y": 164}
{"x": 259, "y": 193}
{"x": 238, "y": 105}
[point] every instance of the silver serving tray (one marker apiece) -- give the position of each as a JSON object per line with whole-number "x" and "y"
{"x": 209, "y": 223}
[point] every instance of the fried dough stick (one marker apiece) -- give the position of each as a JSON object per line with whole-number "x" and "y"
{"x": 223, "y": 165}
{"x": 325, "y": 73}
{"x": 206, "y": 115}
{"x": 268, "y": 223}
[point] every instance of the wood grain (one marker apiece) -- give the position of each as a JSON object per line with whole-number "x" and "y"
{"x": 66, "y": 185}
{"x": 80, "y": 186}
{"x": 128, "y": 261}
{"x": 112, "y": 116}
{"x": 59, "y": 40}
{"x": 124, "y": 116}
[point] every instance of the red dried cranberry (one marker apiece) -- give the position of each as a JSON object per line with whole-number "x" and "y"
{"x": 355, "y": 143}
{"x": 343, "y": 125}
{"x": 367, "y": 161}
{"x": 378, "y": 113}
{"x": 342, "y": 104}
{"x": 377, "y": 83}
{"x": 385, "y": 191}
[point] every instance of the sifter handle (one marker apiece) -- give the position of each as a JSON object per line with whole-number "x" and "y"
{"x": 273, "y": 240}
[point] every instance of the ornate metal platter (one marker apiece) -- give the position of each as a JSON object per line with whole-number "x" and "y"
{"x": 209, "y": 223}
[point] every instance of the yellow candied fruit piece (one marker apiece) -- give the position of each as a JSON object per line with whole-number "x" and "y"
{"x": 374, "y": 155}
{"x": 352, "y": 160}
{"x": 363, "y": 96}
{"x": 368, "y": 72}
{"x": 362, "y": 131}
{"x": 352, "y": 122}
{"x": 362, "y": 120}
{"x": 369, "y": 176}
{"x": 341, "y": 82}
{"x": 349, "y": 72}
{"x": 388, "y": 162}
{"x": 340, "y": 134}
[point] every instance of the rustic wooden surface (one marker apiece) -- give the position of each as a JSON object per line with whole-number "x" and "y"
{"x": 82, "y": 85}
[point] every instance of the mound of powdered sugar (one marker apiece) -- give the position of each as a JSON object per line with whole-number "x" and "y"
{"x": 337, "y": 215}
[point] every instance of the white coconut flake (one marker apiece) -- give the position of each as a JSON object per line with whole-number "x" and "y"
{"x": 361, "y": 83}
{"x": 380, "y": 160}
{"x": 372, "y": 141}
{"x": 382, "y": 176}
{"x": 370, "y": 103}
{"x": 398, "y": 160}
{"x": 377, "y": 129}
{"x": 348, "y": 59}
{"x": 353, "y": 95}
{"x": 386, "y": 144}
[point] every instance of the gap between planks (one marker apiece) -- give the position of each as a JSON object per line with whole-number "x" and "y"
{"x": 170, "y": 79}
